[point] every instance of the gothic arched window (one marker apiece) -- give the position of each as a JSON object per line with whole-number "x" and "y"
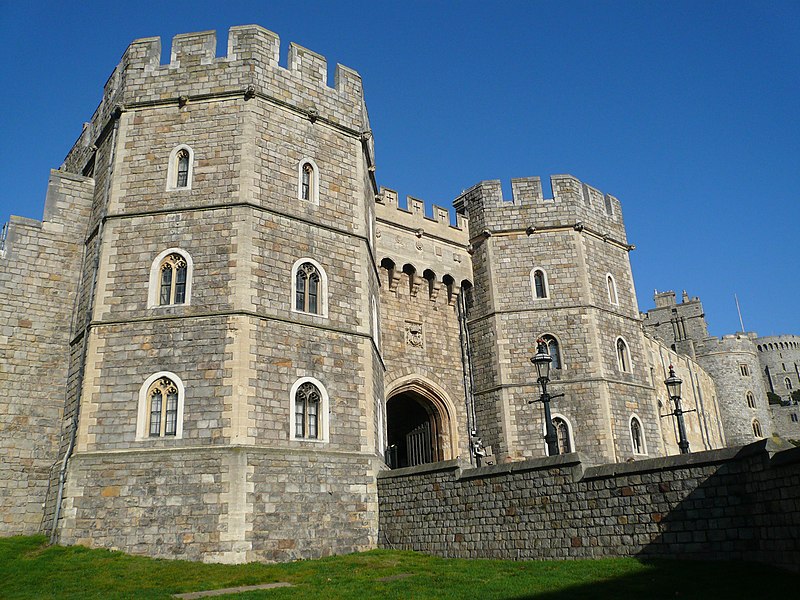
{"x": 308, "y": 181}
{"x": 307, "y": 401}
{"x": 612, "y": 289}
{"x": 751, "y": 400}
{"x": 563, "y": 434}
{"x": 179, "y": 170}
{"x": 788, "y": 383}
{"x": 170, "y": 278}
{"x": 160, "y": 412}
{"x": 637, "y": 436}
{"x": 162, "y": 408}
{"x": 623, "y": 356}
{"x": 553, "y": 349}
{"x": 172, "y": 286}
{"x": 183, "y": 169}
{"x": 307, "y": 288}
{"x": 757, "y": 428}
{"x": 539, "y": 283}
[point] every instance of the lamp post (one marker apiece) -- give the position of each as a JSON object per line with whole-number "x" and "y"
{"x": 673, "y": 383}
{"x": 541, "y": 360}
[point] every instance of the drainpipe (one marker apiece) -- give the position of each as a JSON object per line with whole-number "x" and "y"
{"x": 62, "y": 474}
{"x": 466, "y": 357}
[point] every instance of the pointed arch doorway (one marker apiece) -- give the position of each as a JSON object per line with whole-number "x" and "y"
{"x": 417, "y": 426}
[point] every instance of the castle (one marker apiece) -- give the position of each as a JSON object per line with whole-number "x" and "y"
{"x": 223, "y": 329}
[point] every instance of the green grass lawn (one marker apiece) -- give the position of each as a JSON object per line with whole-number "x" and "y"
{"x": 29, "y": 568}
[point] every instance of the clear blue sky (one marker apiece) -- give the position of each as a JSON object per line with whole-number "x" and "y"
{"x": 689, "y": 112}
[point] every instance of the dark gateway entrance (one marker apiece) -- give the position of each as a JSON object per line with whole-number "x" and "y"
{"x": 414, "y": 431}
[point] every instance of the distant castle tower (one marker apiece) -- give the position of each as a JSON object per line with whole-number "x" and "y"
{"x": 732, "y": 362}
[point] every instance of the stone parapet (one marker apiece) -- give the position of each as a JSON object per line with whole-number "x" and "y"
{"x": 250, "y": 69}
{"x": 730, "y": 504}
{"x": 574, "y": 204}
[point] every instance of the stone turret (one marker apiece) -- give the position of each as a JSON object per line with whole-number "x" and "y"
{"x": 585, "y": 302}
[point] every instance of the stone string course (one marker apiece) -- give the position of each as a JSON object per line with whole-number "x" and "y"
{"x": 738, "y": 503}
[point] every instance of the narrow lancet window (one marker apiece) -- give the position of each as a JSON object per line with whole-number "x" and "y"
{"x": 182, "y": 171}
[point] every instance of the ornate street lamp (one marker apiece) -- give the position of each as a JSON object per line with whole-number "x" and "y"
{"x": 673, "y": 383}
{"x": 541, "y": 360}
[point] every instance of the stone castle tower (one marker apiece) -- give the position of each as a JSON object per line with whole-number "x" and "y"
{"x": 240, "y": 329}
{"x": 228, "y": 267}
{"x": 556, "y": 269}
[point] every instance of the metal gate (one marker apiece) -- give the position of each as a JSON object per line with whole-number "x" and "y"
{"x": 418, "y": 445}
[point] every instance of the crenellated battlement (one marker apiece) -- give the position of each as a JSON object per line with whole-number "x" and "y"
{"x": 249, "y": 69}
{"x": 733, "y": 343}
{"x": 574, "y": 203}
{"x": 413, "y": 218}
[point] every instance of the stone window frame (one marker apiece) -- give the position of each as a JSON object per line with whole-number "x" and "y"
{"x": 323, "y": 425}
{"x": 643, "y": 438}
{"x": 757, "y": 430}
{"x": 787, "y": 383}
{"x": 744, "y": 369}
{"x": 570, "y": 432}
{"x": 613, "y": 292}
{"x": 620, "y": 365}
{"x": 750, "y": 397}
{"x": 322, "y": 294}
{"x": 172, "y": 169}
{"x": 143, "y": 408}
{"x": 793, "y": 417}
{"x": 313, "y": 192}
{"x": 545, "y": 283}
{"x": 154, "y": 286}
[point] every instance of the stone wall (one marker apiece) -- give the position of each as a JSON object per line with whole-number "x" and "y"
{"x": 698, "y": 393}
{"x": 735, "y": 504}
{"x": 222, "y": 504}
{"x": 39, "y": 268}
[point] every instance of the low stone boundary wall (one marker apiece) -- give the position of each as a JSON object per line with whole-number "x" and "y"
{"x": 734, "y": 503}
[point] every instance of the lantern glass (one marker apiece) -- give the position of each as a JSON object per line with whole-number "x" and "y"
{"x": 673, "y": 384}
{"x": 542, "y": 361}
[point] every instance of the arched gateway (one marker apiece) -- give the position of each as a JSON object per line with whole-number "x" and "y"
{"x": 418, "y": 425}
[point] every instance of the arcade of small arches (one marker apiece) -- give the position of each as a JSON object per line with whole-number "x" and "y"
{"x": 434, "y": 285}
{"x": 777, "y": 346}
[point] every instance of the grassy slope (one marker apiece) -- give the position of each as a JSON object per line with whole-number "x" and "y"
{"x": 31, "y": 569}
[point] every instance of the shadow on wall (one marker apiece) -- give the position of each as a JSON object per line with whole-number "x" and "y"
{"x": 744, "y": 508}
{"x": 731, "y": 504}
{"x": 671, "y": 579}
